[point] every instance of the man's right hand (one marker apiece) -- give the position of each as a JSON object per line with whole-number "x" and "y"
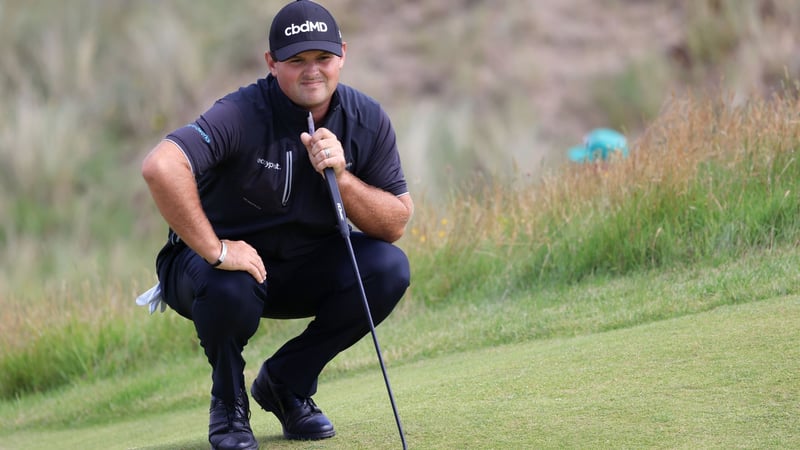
{"x": 242, "y": 256}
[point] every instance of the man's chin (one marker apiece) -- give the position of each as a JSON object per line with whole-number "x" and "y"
{"x": 312, "y": 101}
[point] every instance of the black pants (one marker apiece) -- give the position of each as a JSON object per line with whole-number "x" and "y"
{"x": 226, "y": 307}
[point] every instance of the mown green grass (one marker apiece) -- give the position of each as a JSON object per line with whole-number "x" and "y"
{"x": 725, "y": 378}
{"x": 681, "y": 358}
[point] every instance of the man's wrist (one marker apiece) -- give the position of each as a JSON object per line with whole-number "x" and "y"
{"x": 222, "y": 254}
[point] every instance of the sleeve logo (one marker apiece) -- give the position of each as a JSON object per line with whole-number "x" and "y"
{"x": 202, "y": 133}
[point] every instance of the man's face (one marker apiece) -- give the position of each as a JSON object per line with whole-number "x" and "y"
{"x": 308, "y": 78}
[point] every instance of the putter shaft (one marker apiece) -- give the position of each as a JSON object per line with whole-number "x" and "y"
{"x": 344, "y": 230}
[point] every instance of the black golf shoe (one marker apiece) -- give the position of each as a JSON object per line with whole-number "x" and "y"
{"x": 299, "y": 416}
{"x": 229, "y": 425}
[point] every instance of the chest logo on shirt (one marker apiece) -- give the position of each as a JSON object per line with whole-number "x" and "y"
{"x": 269, "y": 164}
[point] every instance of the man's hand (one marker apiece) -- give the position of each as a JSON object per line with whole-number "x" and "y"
{"x": 324, "y": 150}
{"x": 242, "y": 256}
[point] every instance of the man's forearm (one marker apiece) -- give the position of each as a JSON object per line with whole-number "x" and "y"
{"x": 375, "y": 212}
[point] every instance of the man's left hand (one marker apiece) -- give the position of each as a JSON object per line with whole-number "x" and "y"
{"x": 324, "y": 150}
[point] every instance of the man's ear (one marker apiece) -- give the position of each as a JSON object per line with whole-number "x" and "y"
{"x": 344, "y": 54}
{"x": 270, "y": 62}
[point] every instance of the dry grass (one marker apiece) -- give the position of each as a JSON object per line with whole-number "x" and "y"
{"x": 648, "y": 210}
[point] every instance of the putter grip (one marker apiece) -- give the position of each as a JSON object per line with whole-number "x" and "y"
{"x": 336, "y": 199}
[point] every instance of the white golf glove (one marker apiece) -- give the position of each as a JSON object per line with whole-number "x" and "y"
{"x": 152, "y": 298}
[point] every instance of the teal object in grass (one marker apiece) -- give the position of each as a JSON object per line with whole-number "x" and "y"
{"x": 599, "y": 145}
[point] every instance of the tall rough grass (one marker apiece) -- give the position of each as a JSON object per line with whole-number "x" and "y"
{"x": 708, "y": 181}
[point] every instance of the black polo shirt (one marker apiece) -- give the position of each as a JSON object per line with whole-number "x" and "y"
{"x": 255, "y": 180}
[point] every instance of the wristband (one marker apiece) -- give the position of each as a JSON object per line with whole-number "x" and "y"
{"x": 222, "y": 254}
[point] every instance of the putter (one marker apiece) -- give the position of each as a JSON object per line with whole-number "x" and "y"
{"x": 344, "y": 230}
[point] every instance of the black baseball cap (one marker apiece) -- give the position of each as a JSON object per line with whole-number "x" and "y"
{"x": 303, "y": 25}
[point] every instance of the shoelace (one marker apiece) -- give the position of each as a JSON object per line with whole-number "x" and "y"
{"x": 238, "y": 405}
{"x": 238, "y": 409}
{"x": 310, "y": 403}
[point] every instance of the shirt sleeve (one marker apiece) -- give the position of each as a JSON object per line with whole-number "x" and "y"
{"x": 383, "y": 168}
{"x": 212, "y": 138}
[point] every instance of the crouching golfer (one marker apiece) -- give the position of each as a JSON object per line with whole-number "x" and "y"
{"x": 253, "y": 233}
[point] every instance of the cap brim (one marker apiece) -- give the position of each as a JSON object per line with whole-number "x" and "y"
{"x": 299, "y": 47}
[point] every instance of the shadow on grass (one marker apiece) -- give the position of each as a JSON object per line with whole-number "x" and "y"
{"x": 198, "y": 444}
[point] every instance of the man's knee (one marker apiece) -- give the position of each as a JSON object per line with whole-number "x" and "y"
{"x": 387, "y": 277}
{"x": 230, "y": 298}
{"x": 397, "y": 269}
{"x": 386, "y": 262}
